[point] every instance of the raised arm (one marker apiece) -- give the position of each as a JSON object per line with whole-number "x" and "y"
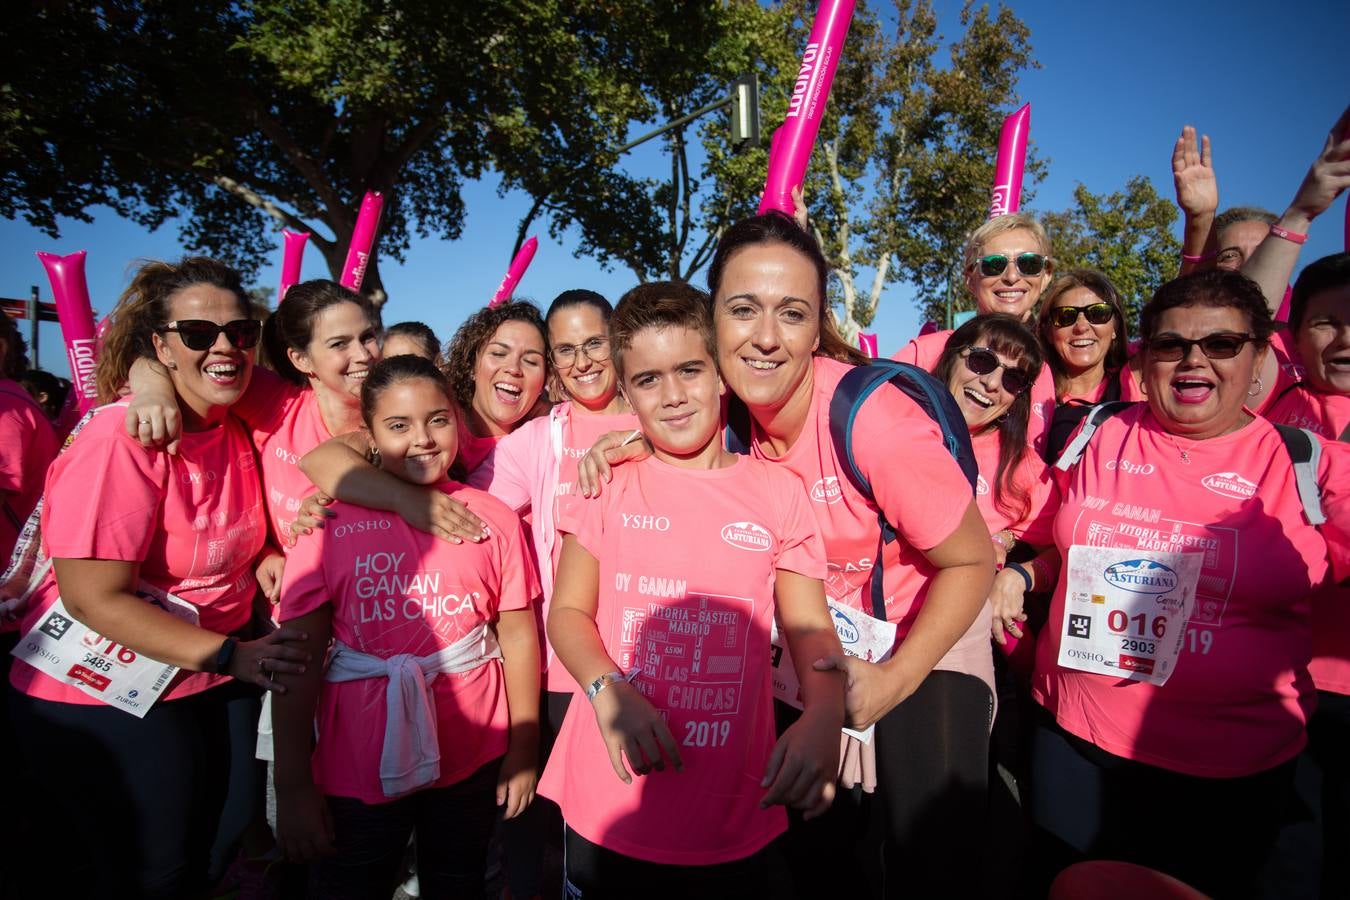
{"x": 1273, "y": 262}
{"x": 339, "y": 468}
{"x": 1198, "y": 198}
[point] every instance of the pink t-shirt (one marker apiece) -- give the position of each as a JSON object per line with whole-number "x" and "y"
{"x": 899, "y": 450}
{"x": 285, "y": 423}
{"x": 688, "y": 561}
{"x": 472, "y": 448}
{"x": 27, "y": 447}
{"x": 395, "y": 590}
{"x": 1289, "y": 372}
{"x": 194, "y": 522}
{"x": 1329, "y": 416}
{"x": 1239, "y": 697}
{"x": 1129, "y": 390}
{"x": 533, "y": 470}
{"x": 925, "y": 350}
{"x": 1031, "y": 480}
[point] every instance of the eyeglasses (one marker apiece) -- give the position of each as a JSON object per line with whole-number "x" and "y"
{"x": 200, "y": 334}
{"x": 596, "y": 350}
{"x": 1096, "y": 314}
{"x": 1224, "y": 345}
{"x": 993, "y": 265}
{"x": 982, "y": 361}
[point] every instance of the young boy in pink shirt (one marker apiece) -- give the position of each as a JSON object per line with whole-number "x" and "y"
{"x": 666, "y": 592}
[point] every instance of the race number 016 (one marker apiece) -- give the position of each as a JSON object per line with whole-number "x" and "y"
{"x": 1117, "y": 621}
{"x": 125, "y": 655}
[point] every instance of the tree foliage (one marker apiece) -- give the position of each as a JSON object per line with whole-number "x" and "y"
{"x": 1126, "y": 234}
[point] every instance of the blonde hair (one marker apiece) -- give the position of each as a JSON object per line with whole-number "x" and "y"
{"x": 1002, "y": 225}
{"x": 143, "y": 309}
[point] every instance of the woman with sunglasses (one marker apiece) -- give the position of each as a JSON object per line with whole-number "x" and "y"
{"x": 1007, "y": 266}
{"x": 1173, "y": 670}
{"x": 153, "y": 553}
{"x": 781, "y": 356}
{"x": 1083, "y": 330}
{"x": 989, "y": 365}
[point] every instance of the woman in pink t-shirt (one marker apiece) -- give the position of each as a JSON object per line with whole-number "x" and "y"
{"x": 1007, "y": 266}
{"x": 122, "y": 523}
{"x": 1173, "y": 670}
{"x": 1319, "y": 318}
{"x": 27, "y": 442}
{"x": 533, "y": 470}
{"x": 427, "y": 711}
{"x": 930, "y": 701}
{"x": 666, "y": 594}
{"x": 989, "y": 365}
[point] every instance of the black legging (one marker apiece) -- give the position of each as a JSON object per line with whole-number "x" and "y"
{"x": 922, "y": 833}
{"x": 135, "y": 805}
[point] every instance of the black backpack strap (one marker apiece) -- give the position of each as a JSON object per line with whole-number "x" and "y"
{"x": 1305, "y": 452}
{"x": 934, "y": 398}
{"x": 738, "y": 433}
{"x": 1095, "y": 417}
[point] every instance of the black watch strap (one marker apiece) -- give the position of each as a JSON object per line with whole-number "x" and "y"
{"x": 224, "y": 655}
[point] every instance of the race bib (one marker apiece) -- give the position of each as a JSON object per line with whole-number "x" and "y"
{"x": 60, "y": 646}
{"x": 861, "y": 635}
{"x": 1125, "y": 611}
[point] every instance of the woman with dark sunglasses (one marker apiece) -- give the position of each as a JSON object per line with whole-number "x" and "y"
{"x": 1085, "y": 335}
{"x": 1007, "y": 266}
{"x": 1173, "y": 669}
{"x": 153, "y": 561}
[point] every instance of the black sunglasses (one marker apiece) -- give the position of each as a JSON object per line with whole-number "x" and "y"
{"x": 200, "y": 334}
{"x": 982, "y": 361}
{"x": 1224, "y": 345}
{"x": 1027, "y": 264}
{"x": 1096, "y": 314}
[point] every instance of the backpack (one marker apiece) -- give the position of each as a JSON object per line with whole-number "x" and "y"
{"x": 854, "y": 388}
{"x": 1303, "y": 447}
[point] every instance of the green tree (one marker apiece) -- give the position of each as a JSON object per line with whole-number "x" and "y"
{"x": 905, "y": 159}
{"x": 248, "y": 116}
{"x": 1127, "y": 235}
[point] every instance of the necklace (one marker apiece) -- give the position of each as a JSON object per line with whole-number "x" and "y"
{"x": 1185, "y": 457}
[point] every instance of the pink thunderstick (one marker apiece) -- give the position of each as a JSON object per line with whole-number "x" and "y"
{"x": 363, "y": 239}
{"x": 792, "y": 145}
{"x": 867, "y": 343}
{"x": 514, "y": 274}
{"x": 292, "y": 255}
{"x": 71, "y": 292}
{"x": 1012, "y": 158}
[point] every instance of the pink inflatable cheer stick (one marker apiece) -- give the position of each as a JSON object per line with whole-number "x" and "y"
{"x": 1012, "y": 158}
{"x": 791, "y": 150}
{"x": 363, "y": 238}
{"x": 868, "y": 344}
{"x": 71, "y": 292}
{"x": 513, "y": 274}
{"x": 292, "y": 254}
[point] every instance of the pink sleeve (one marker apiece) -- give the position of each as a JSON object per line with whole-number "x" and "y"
{"x": 104, "y": 502}
{"x": 1335, "y": 483}
{"x": 504, "y": 473}
{"x": 584, "y": 520}
{"x": 263, "y": 405}
{"x": 520, "y": 579}
{"x": 1037, "y": 527}
{"x": 14, "y": 440}
{"x": 303, "y": 586}
{"x": 801, "y": 550}
{"x": 908, "y": 353}
{"x": 899, "y": 451}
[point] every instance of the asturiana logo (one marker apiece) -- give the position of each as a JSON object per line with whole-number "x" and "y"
{"x": 848, "y": 632}
{"x": 1229, "y": 484}
{"x": 747, "y": 536}
{"x": 1141, "y": 576}
{"x": 827, "y": 490}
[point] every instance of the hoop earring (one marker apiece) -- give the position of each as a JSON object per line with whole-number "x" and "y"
{"x": 1257, "y": 387}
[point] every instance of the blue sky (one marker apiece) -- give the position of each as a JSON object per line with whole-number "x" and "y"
{"x": 1265, "y": 81}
